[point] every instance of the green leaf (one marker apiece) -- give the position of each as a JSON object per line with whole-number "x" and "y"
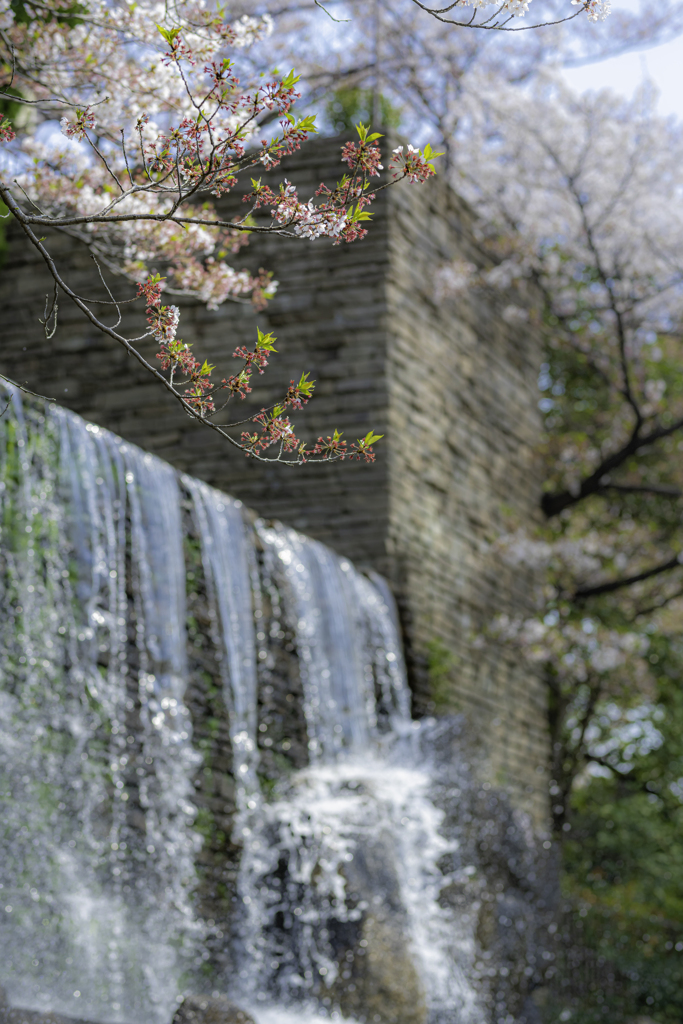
{"x": 429, "y": 154}
{"x": 290, "y": 80}
{"x": 369, "y": 439}
{"x": 363, "y": 133}
{"x": 169, "y": 34}
{"x": 358, "y": 215}
{"x": 306, "y": 124}
{"x": 305, "y": 385}
{"x": 265, "y": 341}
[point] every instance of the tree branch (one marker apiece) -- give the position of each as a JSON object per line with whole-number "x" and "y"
{"x": 607, "y": 588}
{"x": 553, "y": 504}
{"x": 664, "y": 492}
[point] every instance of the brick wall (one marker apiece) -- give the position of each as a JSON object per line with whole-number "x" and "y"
{"x": 451, "y": 385}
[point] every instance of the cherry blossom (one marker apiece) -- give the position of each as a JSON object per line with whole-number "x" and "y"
{"x": 139, "y": 124}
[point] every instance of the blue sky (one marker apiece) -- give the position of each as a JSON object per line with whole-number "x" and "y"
{"x": 662, "y": 65}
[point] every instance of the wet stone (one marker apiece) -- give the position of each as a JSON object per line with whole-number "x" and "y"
{"x": 210, "y": 1010}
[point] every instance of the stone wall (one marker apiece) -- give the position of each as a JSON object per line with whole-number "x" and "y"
{"x": 450, "y": 385}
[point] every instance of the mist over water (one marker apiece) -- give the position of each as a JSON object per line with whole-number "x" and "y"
{"x": 344, "y": 860}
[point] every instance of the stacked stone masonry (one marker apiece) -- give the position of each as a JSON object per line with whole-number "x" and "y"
{"x": 449, "y": 383}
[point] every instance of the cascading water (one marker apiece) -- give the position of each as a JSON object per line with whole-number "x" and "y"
{"x": 338, "y": 900}
{"x": 364, "y": 796}
{"x": 97, "y": 840}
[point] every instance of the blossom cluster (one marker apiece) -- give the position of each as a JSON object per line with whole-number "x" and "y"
{"x": 6, "y": 132}
{"x": 155, "y": 128}
{"x": 340, "y": 211}
{"x": 160, "y": 123}
{"x": 413, "y": 164}
{"x": 573, "y": 649}
{"x": 597, "y": 10}
{"x": 193, "y": 381}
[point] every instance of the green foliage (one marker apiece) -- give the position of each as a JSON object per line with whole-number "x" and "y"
{"x": 349, "y": 106}
{"x": 304, "y": 124}
{"x": 290, "y": 80}
{"x": 69, "y": 14}
{"x": 441, "y": 663}
{"x": 169, "y": 34}
{"x": 623, "y": 867}
{"x": 363, "y": 130}
{"x": 430, "y": 154}
{"x": 357, "y": 214}
{"x": 265, "y": 341}
{"x": 305, "y": 386}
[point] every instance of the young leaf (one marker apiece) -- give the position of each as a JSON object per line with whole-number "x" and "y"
{"x": 358, "y": 215}
{"x": 305, "y": 385}
{"x": 307, "y": 124}
{"x": 169, "y": 34}
{"x": 290, "y": 80}
{"x": 429, "y": 154}
{"x": 265, "y": 341}
{"x": 369, "y": 439}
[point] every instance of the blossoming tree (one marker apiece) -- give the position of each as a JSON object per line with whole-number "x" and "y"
{"x": 582, "y": 202}
{"x": 390, "y": 60}
{"x": 155, "y": 126}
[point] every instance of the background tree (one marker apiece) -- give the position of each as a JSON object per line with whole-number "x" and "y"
{"x": 388, "y": 58}
{"x": 581, "y": 210}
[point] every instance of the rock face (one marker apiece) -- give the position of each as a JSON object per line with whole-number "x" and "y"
{"x": 210, "y": 1010}
{"x": 391, "y": 991}
{"x": 378, "y": 980}
{"x": 192, "y": 1010}
{"x": 17, "y": 1015}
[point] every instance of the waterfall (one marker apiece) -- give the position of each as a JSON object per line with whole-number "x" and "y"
{"x": 337, "y": 906}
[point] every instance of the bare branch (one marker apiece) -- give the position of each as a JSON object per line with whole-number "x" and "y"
{"x": 553, "y": 504}
{"x": 25, "y": 389}
{"x": 339, "y": 21}
{"x": 99, "y": 271}
{"x": 627, "y": 581}
{"x": 664, "y": 492}
{"x": 438, "y": 14}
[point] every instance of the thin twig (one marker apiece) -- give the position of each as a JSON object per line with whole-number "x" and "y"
{"x": 26, "y": 391}
{"x": 52, "y": 313}
{"x": 339, "y": 21}
{"x": 93, "y": 257}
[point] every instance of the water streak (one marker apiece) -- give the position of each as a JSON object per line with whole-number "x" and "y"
{"x": 98, "y": 848}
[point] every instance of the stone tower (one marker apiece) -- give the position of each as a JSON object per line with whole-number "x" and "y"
{"x": 451, "y": 385}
